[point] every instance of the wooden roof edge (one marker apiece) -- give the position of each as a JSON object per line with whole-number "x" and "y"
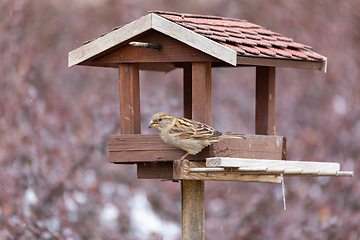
{"x": 324, "y": 66}
{"x": 287, "y": 63}
{"x": 109, "y": 40}
{"x": 158, "y": 23}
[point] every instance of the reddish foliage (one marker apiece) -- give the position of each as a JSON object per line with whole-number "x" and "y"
{"x": 55, "y": 179}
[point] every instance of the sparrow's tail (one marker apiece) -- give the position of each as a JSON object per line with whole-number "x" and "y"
{"x": 234, "y": 135}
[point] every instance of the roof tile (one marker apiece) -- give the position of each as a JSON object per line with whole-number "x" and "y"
{"x": 247, "y": 39}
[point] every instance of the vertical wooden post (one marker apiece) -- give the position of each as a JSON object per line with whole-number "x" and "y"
{"x": 129, "y": 98}
{"x": 201, "y": 92}
{"x": 193, "y": 194}
{"x": 265, "y": 101}
{"x": 187, "y": 90}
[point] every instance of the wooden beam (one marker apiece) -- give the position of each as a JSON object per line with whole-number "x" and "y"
{"x": 155, "y": 170}
{"x": 136, "y": 148}
{"x": 129, "y": 98}
{"x": 265, "y": 101}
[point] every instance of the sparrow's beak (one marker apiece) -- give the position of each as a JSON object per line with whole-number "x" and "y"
{"x": 152, "y": 124}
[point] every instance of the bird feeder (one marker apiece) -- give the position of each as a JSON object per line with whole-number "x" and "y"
{"x": 163, "y": 41}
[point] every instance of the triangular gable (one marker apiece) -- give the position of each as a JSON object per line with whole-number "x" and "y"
{"x": 114, "y": 38}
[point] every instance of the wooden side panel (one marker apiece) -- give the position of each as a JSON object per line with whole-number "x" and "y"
{"x": 265, "y": 101}
{"x": 129, "y": 98}
{"x": 171, "y": 51}
{"x": 135, "y": 148}
{"x": 159, "y": 170}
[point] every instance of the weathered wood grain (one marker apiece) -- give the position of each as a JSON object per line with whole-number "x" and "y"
{"x": 271, "y": 164}
{"x": 134, "y": 148}
{"x": 129, "y": 98}
{"x": 193, "y": 210}
{"x": 109, "y": 41}
{"x": 182, "y": 171}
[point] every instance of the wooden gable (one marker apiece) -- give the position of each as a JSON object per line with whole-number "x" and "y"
{"x": 172, "y": 54}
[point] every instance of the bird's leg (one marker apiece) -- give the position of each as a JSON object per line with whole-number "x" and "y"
{"x": 183, "y": 157}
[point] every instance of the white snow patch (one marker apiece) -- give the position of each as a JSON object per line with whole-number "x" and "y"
{"x": 108, "y": 215}
{"x": 339, "y": 105}
{"x": 145, "y": 222}
{"x": 30, "y": 197}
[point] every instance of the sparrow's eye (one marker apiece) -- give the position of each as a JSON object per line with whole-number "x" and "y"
{"x": 160, "y": 119}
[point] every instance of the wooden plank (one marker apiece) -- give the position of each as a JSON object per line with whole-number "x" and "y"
{"x": 109, "y": 41}
{"x": 182, "y": 171}
{"x": 193, "y": 210}
{"x": 135, "y": 148}
{"x": 271, "y": 62}
{"x": 194, "y": 40}
{"x": 272, "y": 164}
{"x": 261, "y": 171}
{"x": 171, "y": 51}
{"x": 129, "y": 99}
{"x": 265, "y": 101}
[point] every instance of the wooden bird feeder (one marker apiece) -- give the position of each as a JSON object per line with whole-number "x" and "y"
{"x": 163, "y": 41}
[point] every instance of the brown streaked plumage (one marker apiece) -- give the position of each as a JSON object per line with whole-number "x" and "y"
{"x": 188, "y": 135}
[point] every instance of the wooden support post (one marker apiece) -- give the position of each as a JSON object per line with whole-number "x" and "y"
{"x": 265, "y": 101}
{"x": 187, "y": 90}
{"x": 193, "y": 211}
{"x": 129, "y": 98}
{"x": 192, "y": 191}
{"x": 201, "y": 92}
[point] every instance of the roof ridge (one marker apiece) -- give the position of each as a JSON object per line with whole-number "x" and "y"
{"x": 197, "y": 16}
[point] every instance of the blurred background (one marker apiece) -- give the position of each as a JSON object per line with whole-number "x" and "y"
{"x": 55, "y": 179}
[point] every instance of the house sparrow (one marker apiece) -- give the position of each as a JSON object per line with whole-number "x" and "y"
{"x": 186, "y": 134}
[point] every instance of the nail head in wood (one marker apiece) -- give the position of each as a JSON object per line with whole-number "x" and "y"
{"x": 146, "y": 45}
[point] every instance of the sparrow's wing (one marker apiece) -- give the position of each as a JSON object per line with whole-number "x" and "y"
{"x": 188, "y": 129}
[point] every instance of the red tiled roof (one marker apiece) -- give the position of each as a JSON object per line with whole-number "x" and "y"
{"x": 248, "y": 39}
